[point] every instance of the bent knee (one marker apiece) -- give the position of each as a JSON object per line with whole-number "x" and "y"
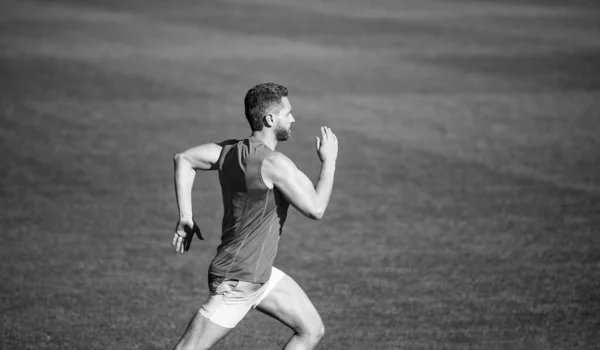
{"x": 316, "y": 330}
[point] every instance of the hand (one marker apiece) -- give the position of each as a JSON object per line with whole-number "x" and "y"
{"x": 327, "y": 145}
{"x": 184, "y": 232}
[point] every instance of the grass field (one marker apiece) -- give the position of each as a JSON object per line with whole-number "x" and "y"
{"x": 466, "y": 209}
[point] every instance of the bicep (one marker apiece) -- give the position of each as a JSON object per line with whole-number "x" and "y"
{"x": 203, "y": 157}
{"x": 296, "y": 187}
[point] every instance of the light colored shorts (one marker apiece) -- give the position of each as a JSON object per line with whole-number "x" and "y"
{"x": 230, "y": 300}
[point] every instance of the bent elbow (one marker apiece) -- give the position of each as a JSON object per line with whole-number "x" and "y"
{"x": 317, "y": 214}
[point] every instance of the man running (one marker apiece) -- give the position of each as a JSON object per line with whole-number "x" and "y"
{"x": 257, "y": 184}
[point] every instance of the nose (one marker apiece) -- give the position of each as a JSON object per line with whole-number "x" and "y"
{"x": 293, "y": 119}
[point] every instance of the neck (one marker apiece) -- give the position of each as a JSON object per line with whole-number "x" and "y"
{"x": 268, "y": 138}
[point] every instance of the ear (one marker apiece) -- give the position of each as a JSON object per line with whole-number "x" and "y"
{"x": 269, "y": 120}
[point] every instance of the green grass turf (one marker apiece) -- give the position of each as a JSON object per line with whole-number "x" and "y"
{"x": 465, "y": 213}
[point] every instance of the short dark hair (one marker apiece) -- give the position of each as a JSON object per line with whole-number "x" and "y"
{"x": 259, "y": 100}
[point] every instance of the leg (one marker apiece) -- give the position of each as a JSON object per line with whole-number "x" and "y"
{"x": 201, "y": 334}
{"x": 288, "y": 303}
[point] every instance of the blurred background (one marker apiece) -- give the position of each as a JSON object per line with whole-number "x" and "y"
{"x": 466, "y": 208}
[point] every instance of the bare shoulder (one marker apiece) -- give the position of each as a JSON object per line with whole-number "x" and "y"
{"x": 223, "y": 145}
{"x": 278, "y": 162}
{"x": 209, "y": 147}
{"x": 276, "y": 166}
{"x": 205, "y": 156}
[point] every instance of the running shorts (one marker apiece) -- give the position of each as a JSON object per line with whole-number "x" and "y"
{"x": 230, "y": 299}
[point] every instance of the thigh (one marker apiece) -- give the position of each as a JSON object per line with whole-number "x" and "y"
{"x": 201, "y": 333}
{"x": 230, "y": 301}
{"x": 288, "y": 303}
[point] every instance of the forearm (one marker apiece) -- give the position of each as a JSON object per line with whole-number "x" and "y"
{"x": 184, "y": 181}
{"x": 324, "y": 186}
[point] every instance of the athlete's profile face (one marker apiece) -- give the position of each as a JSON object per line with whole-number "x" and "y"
{"x": 284, "y": 121}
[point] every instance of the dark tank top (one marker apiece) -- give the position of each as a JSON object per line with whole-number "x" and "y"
{"x": 253, "y": 215}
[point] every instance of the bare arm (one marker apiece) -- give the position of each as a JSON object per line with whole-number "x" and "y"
{"x": 186, "y": 163}
{"x": 282, "y": 173}
{"x": 203, "y": 157}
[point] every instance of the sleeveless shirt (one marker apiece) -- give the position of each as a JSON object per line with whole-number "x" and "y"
{"x": 253, "y": 215}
